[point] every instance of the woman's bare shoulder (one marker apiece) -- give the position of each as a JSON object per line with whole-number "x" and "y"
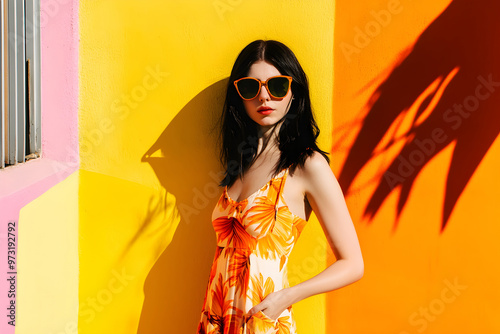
{"x": 316, "y": 163}
{"x": 314, "y": 170}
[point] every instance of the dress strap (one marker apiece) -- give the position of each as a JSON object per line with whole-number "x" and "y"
{"x": 276, "y": 201}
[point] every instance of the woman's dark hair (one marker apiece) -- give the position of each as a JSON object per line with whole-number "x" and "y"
{"x": 238, "y": 139}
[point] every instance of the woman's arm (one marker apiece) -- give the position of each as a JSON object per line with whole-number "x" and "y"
{"x": 327, "y": 201}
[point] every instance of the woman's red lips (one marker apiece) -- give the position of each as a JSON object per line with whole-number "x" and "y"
{"x": 265, "y": 110}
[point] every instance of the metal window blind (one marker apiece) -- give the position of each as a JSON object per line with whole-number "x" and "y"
{"x": 19, "y": 81}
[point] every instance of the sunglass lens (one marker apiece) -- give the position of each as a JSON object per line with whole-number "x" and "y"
{"x": 278, "y": 86}
{"x": 248, "y": 88}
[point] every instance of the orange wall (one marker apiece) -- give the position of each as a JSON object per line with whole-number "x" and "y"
{"x": 429, "y": 236}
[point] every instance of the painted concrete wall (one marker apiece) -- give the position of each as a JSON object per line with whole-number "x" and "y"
{"x": 41, "y": 195}
{"x": 125, "y": 244}
{"x": 152, "y": 78}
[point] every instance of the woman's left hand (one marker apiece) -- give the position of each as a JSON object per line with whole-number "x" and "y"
{"x": 273, "y": 305}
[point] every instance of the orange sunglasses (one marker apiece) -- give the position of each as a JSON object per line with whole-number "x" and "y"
{"x": 249, "y": 88}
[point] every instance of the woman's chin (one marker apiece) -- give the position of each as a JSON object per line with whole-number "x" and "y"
{"x": 266, "y": 122}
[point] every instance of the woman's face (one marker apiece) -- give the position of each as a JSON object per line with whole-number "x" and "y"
{"x": 262, "y": 70}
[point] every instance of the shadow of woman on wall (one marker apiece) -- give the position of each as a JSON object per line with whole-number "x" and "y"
{"x": 451, "y": 76}
{"x": 185, "y": 161}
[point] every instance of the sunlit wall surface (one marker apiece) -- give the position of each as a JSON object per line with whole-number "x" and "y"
{"x": 114, "y": 220}
{"x": 152, "y": 82}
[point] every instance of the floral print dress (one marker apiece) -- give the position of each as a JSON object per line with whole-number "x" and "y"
{"x": 255, "y": 237}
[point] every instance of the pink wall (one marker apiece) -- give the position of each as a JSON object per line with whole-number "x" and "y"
{"x": 21, "y": 184}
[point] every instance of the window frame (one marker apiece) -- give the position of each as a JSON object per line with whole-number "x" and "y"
{"x": 20, "y": 68}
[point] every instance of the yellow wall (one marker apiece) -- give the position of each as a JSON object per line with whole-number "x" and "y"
{"x": 130, "y": 202}
{"x": 417, "y": 279}
{"x": 48, "y": 261}
{"x": 152, "y": 76}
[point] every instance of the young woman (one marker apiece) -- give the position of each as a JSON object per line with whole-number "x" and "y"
{"x": 275, "y": 176}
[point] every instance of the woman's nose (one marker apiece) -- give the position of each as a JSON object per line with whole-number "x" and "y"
{"x": 264, "y": 94}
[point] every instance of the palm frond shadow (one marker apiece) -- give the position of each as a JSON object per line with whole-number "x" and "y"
{"x": 458, "y": 54}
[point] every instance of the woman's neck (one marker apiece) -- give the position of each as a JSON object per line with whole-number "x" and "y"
{"x": 265, "y": 133}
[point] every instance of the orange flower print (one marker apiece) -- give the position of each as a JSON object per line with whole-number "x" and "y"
{"x": 224, "y": 202}
{"x": 298, "y": 226}
{"x": 279, "y": 242}
{"x": 230, "y": 232}
{"x": 284, "y": 325}
{"x": 260, "y": 288}
{"x": 213, "y": 270}
{"x": 260, "y": 322}
{"x": 220, "y": 304}
{"x": 222, "y": 315}
{"x": 262, "y": 215}
{"x": 254, "y": 240}
{"x": 239, "y": 269}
